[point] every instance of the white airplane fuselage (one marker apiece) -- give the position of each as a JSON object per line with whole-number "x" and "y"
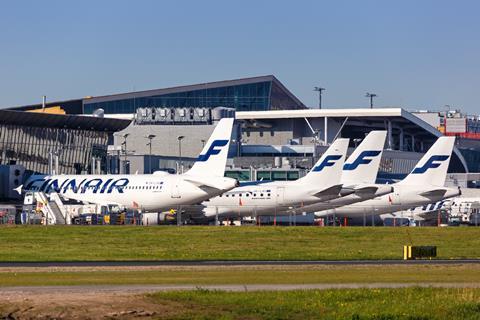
{"x": 404, "y": 197}
{"x": 263, "y": 198}
{"x": 151, "y": 192}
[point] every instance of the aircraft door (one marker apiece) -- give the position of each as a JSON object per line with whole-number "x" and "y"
{"x": 395, "y": 196}
{"x": 175, "y": 189}
{"x": 280, "y": 196}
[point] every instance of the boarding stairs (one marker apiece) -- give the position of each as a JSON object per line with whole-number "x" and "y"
{"x": 53, "y": 208}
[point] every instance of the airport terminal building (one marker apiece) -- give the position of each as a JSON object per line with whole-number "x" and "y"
{"x": 276, "y": 136}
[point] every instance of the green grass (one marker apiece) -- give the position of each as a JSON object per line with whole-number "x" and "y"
{"x": 244, "y": 275}
{"x": 410, "y": 303}
{"x": 64, "y": 243}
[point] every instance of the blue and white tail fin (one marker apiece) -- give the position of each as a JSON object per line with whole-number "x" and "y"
{"x": 432, "y": 168}
{"x": 213, "y": 158}
{"x": 363, "y": 164}
{"x": 328, "y": 169}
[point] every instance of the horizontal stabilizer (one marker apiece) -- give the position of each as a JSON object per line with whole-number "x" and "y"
{"x": 202, "y": 184}
{"x": 366, "y": 191}
{"x": 434, "y": 193}
{"x": 329, "y": 193}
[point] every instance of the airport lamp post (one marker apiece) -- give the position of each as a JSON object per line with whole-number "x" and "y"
{"x": 370, "y": 96}
{"x": 180, "y": 138}
{"x": 319, "y": 90}
{"x": 203, "y": 143}
{"x": 149, "y": 144}
{"x": 125, "y": 136}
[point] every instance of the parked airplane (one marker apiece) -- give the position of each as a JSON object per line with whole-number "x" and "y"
{"x": 420, "y": 213}
{"x": 322, "y": 183}
{"x": 424, "y": 185}
{"x": 150, "y": 192}
{"x": 359, "y": 174}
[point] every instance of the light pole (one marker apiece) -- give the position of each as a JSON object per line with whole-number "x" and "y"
{"x": 180, "y": 138}
{"x": 371, "y": 96}
{"x": 149, "y": 144}
{"x": 125, "y": 136}
{"x": 320, "y": 90}
{"x": 203, "y": 143}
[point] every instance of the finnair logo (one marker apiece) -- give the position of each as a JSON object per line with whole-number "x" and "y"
{"x": 432, "y": 163}
{"x": 365, "y": 157}
{"x": 214, "y": 149}
{"x": 329, "y": 161}
{"x": 72, "y": 185}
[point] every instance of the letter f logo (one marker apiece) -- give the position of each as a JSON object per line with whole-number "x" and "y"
{"x": 433, "y": 162}
{"x": 214, "y": 149}
{"x": 363, "y": 158}
{"x": 327, "y": 162}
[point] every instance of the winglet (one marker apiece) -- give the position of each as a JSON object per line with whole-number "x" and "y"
{"x": 213, "y": 158}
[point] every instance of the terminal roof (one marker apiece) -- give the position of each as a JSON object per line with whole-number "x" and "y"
{"x": 33, "y": 119}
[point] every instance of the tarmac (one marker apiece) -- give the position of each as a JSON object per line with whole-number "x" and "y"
{"x": 137, "y": 289}
{"x": 199, "y": 263}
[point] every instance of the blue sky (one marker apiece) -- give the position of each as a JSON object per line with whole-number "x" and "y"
{"x": 414, "y": 54}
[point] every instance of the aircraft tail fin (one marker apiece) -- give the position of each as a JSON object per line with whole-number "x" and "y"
{"x": 213, "y": 158}
{"x": 432, "y": 168}
{"x": 363, "y": 164}
{"x": 328, "y": 169}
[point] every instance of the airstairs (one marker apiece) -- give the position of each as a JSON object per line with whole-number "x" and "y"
{"x": 53, "y": 208}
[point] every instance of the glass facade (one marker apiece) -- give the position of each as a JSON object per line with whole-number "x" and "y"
{"x": 263, "y": 175}
{"x": 240, "y": 175}
{"x": 277, "y": 175}
{"x": 33, "y": 147}
{"x": 472, "y": 158}
{"x": 245, "y": 97}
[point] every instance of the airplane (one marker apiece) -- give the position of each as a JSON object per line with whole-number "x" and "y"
{"x": 424, "y": 185}
{"x": 322, "y": 183}
{"x": 359, "y": 174}
{"x": 416, "y": 215}
{"x": 149, "y": 192}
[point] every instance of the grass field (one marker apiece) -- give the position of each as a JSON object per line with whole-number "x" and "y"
{"x": 351, "y": 304}
{"x": 411, "y": 303}
{"x": 242, "y": 275}
{"x": 65, "y": 243}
